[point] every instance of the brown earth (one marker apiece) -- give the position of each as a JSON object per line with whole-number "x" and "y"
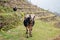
{"x": 57, "y": 38}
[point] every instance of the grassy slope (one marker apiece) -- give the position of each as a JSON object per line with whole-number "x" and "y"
{"x": 41, "y": 31}
{"x": 5, "y": 9}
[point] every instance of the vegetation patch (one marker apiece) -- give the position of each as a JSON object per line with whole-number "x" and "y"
{"x": 9, "y": 20}
{"x": 41, "y": 31}
{"x": 57, "y": 25}
{"x": 4, "y": 9}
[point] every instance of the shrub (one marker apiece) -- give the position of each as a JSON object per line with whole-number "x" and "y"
{"x": 9, "y": 21}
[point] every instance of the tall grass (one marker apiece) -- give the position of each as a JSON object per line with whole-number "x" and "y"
{"x": 10, "y": 20}
{"x": 5, "y": 9}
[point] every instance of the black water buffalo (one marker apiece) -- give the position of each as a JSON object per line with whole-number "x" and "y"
{"x": 29, "y": 23}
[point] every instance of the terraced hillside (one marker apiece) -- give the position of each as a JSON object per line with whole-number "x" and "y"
{"x": 26, "y": 7}
{"x": 43, "y": 30}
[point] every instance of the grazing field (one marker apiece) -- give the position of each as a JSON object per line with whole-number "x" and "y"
{"x": 41, "y": 31}
{"x": 9, "y": 20}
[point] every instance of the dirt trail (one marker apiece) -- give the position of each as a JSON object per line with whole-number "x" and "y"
{"x": 57, "y": 38}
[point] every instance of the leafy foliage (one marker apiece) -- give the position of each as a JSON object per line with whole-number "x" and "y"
{"x": 9, "y": 20}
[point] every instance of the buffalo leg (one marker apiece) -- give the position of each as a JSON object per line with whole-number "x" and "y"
{"x": 30, "y": 31}
{"x": 27, "y": 32}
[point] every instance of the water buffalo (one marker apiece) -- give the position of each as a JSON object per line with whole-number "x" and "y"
{"x": 29, "y": 23}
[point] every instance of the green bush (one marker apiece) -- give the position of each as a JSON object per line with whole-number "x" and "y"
{"x": 9, "y": 20}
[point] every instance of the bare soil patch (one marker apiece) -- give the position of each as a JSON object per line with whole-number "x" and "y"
{"x": 57, "y": 38}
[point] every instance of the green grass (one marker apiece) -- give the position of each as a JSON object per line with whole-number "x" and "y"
{"x": 4, "y": 9}
{"x": 41, "y": 31}
{"x": 10, "y": 20}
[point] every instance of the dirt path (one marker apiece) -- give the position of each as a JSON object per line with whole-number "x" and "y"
{"x": 57, "y": 38}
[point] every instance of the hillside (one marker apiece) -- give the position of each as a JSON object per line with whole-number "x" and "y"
{"x": 47, "y": 24}
{"x": 26, "y": 7}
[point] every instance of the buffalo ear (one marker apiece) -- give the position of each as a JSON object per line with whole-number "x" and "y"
{"x": 33, "y": 17}
{"x": 24, "y": 17}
